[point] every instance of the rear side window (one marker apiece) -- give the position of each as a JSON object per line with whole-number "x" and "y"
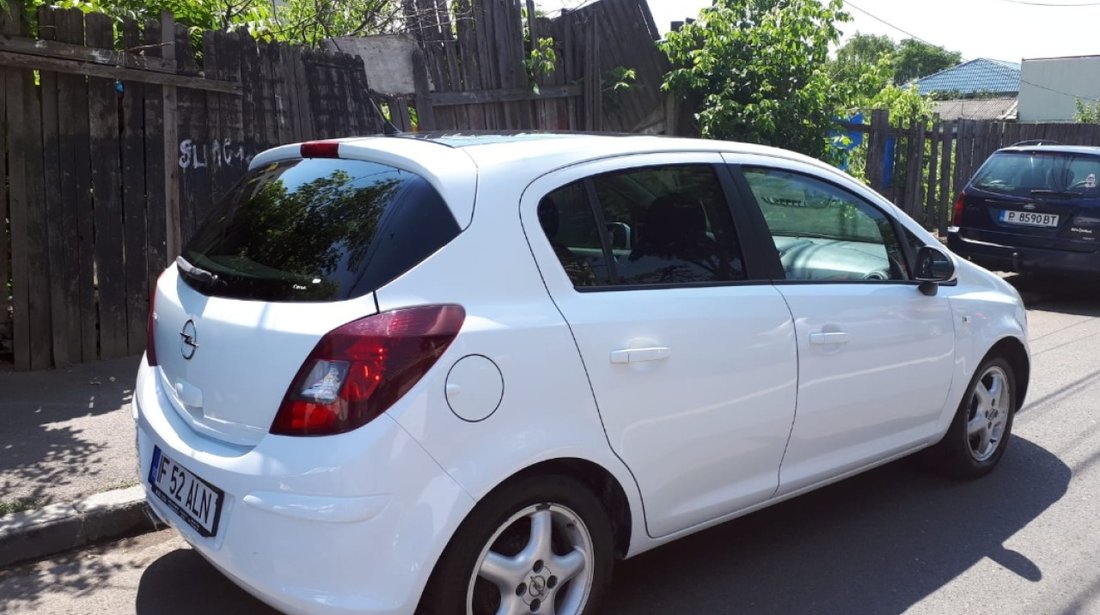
{"x": 318, "y": 230}
{"x": 1039, "y": 173}
{"x": 648, "y": 226}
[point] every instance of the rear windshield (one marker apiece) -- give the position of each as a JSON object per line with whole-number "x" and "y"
{"x": 1039, "y": 173}
{"x": 317, "y": 230}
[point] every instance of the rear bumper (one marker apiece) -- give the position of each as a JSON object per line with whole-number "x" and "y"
{"x": 1000, "y": 257}
{"x": 334, "y": 525}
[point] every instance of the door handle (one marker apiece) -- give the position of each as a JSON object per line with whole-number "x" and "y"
{"x": 823, "y": 338}
{"x": 637, "y": 355}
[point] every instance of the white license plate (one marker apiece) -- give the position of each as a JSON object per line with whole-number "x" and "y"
{"x": 1029, "y": 218}
{"x": 196, "y": 501}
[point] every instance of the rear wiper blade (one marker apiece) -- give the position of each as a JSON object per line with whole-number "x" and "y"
{"x": 197, "y": 273}
{"x": 1058, "y": 193}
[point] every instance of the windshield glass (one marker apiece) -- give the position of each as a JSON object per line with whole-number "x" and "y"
{"x": 1039, "y": 173}
{"x": 317, "y": 230}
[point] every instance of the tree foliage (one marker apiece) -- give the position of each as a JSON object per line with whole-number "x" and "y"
{"x": 916, "y": 59}
{"x": 908, "y": 60}
{"x": 307, "y": 22}
{"x": 1087, "y": 112}
{"x": 757, "y": 70}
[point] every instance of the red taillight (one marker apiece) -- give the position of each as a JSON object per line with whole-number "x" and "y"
{"x": 957, "y": 215}
{"x": 150, "y": 327}
{"x": 357, "y": 371}
{"x": 320, "y": 149}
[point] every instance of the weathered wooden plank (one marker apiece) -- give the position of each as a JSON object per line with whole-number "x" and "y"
{"x": 76, "y": 196}
{"x": 227, "y": 150}
{"x": 193, "y": 149}
{"x": 444, "y": 99}
{"x": 56, "y": 247}
{"x": 593, "y": 97}
{"x": 913, "y": 175}
{"x": 876, "y": 148}
{"x": 135, "y": 240}
{"x": 930, "y": 192}
{"x": 253, "y": 121}
{"x": 5, "y": 237}
{"x": 963, "y": 147}
{"x": 48, "y": 47}
{"x": 18, "y": 193}
{"x": 106, "y": 186}
{"x": 155, "y": 169}
{"x": 18, "y": 60}
{"x": 946, "y": 197}
{"x": 173, "y": 236}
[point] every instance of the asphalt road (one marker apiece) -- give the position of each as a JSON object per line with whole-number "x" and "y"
{"x": 1025, "y": 540}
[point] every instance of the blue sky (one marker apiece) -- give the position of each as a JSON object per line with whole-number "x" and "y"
{"x": 1000, "y": 29}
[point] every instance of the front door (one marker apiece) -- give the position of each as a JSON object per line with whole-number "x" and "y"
{"x": 875, "y": 354}
{"x": 693, "y": 365}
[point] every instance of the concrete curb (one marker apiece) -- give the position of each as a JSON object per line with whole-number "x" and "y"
{"x": 60, "y": 527}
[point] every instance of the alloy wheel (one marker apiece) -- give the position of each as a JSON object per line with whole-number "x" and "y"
{"x": 538, "y": 561}
{"x": 989, "y": 412}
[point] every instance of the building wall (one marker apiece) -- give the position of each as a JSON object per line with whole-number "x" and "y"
{"x": 1049, "y": 87}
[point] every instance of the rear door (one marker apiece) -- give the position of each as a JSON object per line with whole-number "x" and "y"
{"x": 296, "y": 250}
{"x": 692, "y": 362}
{"x": 1039, "y": 199}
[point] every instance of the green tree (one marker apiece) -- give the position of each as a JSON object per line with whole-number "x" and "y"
{"x": 757, "y": 71}
{"x": 915, "y": 59}
{"x": 861, "y": 53}
{"x": 1086, "y": 112}
{"x": 307, "y": 22}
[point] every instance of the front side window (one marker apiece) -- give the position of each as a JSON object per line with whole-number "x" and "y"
{"x": 647, "y": 226}
{"x": 824, "y": 233}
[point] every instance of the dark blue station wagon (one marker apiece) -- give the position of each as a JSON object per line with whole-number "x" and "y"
{"x": 1032, "y": 208}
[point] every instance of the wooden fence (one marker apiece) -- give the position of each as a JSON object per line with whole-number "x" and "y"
{"x": 113, "y": 145}
{"x": 923, "y": 169}
{"x": 474, "y": 52}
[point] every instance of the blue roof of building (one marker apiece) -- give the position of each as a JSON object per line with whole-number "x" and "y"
{"x": 980, "y": 75}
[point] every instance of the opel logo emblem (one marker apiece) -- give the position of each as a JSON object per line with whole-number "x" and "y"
{"x": 1029, "y": 206}
{"x": 537, "y": 586}
{"x": 188, "y": 340}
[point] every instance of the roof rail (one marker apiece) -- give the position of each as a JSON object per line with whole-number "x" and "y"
{"x": 1035, "y": 142}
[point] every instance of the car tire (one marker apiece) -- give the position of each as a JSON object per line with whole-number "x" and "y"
{"x": 982, "y": 426}
{"x": 543, "y": 538}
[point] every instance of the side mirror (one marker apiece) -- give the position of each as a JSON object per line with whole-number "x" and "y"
{"x": 933, "y": 267}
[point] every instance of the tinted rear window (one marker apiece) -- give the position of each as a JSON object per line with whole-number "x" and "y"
{"x": 1027, "y": 173}
{"x": 318, "y": 230}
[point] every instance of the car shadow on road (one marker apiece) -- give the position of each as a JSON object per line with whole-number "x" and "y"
{"x": 877, "y": 543}
{"x": 183, "y": 583}
{"x": 1058, "y": 294}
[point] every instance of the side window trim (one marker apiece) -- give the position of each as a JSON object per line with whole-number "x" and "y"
{"x": 907, "y": 253}
{"x": 761, "y": 258}
{"x": 601, "y": 229}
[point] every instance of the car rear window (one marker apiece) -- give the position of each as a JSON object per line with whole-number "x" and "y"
{"x": 1039, "y": 173}
{"x": 317, "y": 230}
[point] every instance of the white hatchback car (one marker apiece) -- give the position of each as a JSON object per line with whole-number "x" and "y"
{"x": 463, "y": 374}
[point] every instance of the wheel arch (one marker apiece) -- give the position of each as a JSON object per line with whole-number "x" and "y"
{"x": 1013, "y": 351}
{"x": 603, "y": 484}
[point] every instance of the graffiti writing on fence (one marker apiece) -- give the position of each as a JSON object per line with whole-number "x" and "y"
{"x": 218, "y": 153}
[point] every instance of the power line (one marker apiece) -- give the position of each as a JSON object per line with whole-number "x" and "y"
{"x": 1050, "y": 4}
{"x": 927, "y": 42}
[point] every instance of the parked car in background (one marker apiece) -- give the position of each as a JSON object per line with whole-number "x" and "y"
{"x": 454, "y": 374}
{"x": 1032, "y": 208}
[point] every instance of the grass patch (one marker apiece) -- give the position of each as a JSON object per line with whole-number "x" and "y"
{"x": 17, "y": 506}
